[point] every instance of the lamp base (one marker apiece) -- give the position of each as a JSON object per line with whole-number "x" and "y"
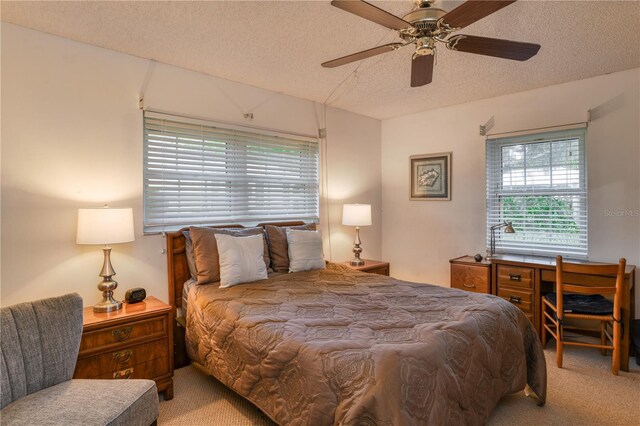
{"x": 108, "y": 305}
{"x": 357, "y": 262}
{"x": 357, "y": 250}
{"x": 107, "y": 285}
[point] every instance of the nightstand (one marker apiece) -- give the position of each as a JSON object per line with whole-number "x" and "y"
{"x": 135, "y": 342}
{"x": 467, "y": 274}
{"x": 371, "y": 266}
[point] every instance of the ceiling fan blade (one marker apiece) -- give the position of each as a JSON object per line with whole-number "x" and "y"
{"x": 362, "y": 55}
{"x": 473, "y": 10}
{"x": 372, "y": 13}
{"x": 421, "y": 70}
{"x": 499, "y": 48}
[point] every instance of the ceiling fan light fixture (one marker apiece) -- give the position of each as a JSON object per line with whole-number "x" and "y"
{"x": 424, "y": 46}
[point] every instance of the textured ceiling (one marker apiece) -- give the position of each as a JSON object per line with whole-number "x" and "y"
{"x": 279, "y": 45}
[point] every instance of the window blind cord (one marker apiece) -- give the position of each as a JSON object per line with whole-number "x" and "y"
{"x": 321, "y": 123}
{"x": 325, "y": 176}
{"x": 229, "y": 98}
{"x": 145, "y": 83}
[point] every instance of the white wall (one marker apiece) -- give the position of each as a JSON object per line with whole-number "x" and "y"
{"x": 419, "y": 237}
{"x": 72, "y": 137}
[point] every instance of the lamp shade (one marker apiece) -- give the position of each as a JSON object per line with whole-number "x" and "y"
{"x": 105, "y": 226}
{"x": 356, "y": 214}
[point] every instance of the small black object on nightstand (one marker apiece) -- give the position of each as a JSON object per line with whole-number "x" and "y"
{"x": 135, "y": 295}
{"x": 478, "y": 257}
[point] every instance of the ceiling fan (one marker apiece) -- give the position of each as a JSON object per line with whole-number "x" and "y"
{"x": 428, "y": 25}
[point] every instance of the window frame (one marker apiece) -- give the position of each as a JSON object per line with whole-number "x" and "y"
{"x": 496, "y": 194}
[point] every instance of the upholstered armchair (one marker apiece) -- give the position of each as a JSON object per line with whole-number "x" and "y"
{"x": 40, "y": 343}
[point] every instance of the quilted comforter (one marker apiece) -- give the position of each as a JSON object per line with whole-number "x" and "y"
{"x": 337, "y": 346}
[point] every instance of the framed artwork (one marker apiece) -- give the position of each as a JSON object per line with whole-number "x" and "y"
{"x": 430, "y": 177}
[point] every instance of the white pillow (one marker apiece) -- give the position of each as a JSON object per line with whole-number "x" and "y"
{"x": 305, "y": 250}
{"x": 240, "y": 259}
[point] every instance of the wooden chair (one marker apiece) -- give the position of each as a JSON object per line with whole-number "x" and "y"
{"x": 583, "y": 302}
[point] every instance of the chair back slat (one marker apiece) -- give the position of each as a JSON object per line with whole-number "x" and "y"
{"x": 600, "y": 275}
{"x": 581, "y": 289}
{"x": 590, "y": 269}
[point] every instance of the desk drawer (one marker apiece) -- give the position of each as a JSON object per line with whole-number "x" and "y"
{"x": 470, "y": 278}
{"x": 523, "y": 299}
{"x": 580, "y": 279}
{"x": 515, "y": 276}
{"x": 123, "y": 335}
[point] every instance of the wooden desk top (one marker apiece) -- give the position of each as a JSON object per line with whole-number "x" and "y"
{"x": 544, "y": 262}
{"x": 149, "y": 305}
{"x": 470, "y": 260}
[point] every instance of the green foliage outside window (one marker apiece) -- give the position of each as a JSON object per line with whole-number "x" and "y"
{"x": 551, "y": 217}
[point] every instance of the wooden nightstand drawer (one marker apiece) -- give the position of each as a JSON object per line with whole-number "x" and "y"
{"x": 124, "y": 334}
{"x": 154, "y": 368}
{"x": 523, "y": 299}
{"x": 515, "y": 276}
{"x": 470, "y": 278}
{"x": 120, "y": 358}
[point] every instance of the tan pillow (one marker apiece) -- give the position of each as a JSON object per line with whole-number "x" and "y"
{"x": 278, "y": 247}
{"x": 205, "y": 250}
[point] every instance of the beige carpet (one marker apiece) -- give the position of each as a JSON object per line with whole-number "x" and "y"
{"x": 584, "y": 392}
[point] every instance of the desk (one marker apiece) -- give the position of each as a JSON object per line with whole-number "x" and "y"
{"x": 536, "y": 276}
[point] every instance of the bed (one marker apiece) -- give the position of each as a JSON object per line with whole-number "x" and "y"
{"x": 338, "y": 346}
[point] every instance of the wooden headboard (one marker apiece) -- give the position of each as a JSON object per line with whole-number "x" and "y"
{"x": 177, "y": 260}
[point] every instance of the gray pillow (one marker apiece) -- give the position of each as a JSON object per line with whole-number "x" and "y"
{"x": 205, "y": 250}
{"x": 278, "y": 246}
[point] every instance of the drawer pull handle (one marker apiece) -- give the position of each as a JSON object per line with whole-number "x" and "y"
{"x": 122, "y": 357}
{"x": 121, "y": 334}
{"x": 515, "y": 299}
{"x": 515, "y": 277}
{"x": 469, "y": 285}
{"x": 123, "y": 374}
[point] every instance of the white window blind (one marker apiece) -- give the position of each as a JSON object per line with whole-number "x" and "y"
{"x": 200, "y": 172}
{"x": 539, "y": 183}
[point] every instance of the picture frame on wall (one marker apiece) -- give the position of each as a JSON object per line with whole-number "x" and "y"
{"x": 430, "y": 178}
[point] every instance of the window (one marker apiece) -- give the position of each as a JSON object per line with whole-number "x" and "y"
{"x": 539, "y": 183}
{"x": 199, "y": 172}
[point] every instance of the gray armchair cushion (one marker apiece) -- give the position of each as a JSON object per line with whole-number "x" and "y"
{"x": 87, "y": 403}
{"x": 40, "y": 342}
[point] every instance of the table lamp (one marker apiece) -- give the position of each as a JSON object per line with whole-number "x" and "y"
{"x": 356, "y": 215}
{"x": 105, "y": 226}
{"x": 508, "y": 229}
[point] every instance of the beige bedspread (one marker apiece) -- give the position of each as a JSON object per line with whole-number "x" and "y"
{"x": 337, "y": 346}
